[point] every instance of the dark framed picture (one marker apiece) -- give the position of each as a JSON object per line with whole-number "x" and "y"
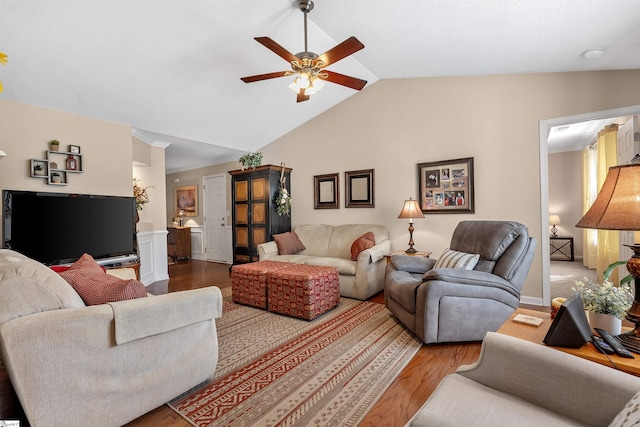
{"x": 446, "y": 186}
{"x": 359, "y": 189}
{"x": 187, "y": 200}
{"x": 75, "y": 149}
{"x": 326, "y": 191}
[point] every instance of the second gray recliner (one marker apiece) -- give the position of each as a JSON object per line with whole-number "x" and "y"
{"x": 452, "y": 305}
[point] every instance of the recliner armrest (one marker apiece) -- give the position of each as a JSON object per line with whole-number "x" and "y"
{"x": 412, "y": 264}
{"x": 470, "y": 277}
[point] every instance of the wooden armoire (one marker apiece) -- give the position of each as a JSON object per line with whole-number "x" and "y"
{"x": 255, "y": 218}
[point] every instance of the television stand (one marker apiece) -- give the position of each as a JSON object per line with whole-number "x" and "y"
{"x": 117, "y": 266}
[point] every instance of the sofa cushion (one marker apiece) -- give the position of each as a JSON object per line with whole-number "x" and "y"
{"x": 97, "y": 287}
{"x": 27, "y": 286}
{"x": 455, "y": 259}
{"x": 464, "y": 402}
{"x": 629, "y": 415}
{"x": 288, "y": 243}
{"x": 366, "y": 241}
{"x": 345, "y": 267}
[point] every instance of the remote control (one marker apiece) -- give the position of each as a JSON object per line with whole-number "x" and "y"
{"x": 601, "y": 344}
{"x": 614, "y": 343}
{"x": 631, "y": 342}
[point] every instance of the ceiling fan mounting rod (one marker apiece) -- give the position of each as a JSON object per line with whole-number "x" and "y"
{"x": 306, "y": 6}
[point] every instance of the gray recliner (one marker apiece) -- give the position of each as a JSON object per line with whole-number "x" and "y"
{"x": 450, "y": 304}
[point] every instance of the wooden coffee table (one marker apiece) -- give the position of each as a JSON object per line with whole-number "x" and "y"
{"x": 537, "y": 333}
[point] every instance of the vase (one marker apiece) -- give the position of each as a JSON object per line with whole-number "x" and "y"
{"x": 608, "y": 322}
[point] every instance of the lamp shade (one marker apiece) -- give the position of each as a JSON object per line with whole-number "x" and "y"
{"x": 554, "y": 220}
{"x": 617, "y": 206}
{"x": 411, "y": 209}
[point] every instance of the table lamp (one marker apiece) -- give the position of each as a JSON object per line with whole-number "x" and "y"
{"x": 411, "y": 209}
{"x": 554, "y": 220}
{"x": 180, "y": 217}
{"x": 617, "y": 207}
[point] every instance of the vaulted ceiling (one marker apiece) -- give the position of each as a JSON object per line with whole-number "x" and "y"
{"x": 171, "y": 69}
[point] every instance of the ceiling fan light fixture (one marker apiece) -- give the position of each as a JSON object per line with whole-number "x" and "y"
{"x": 311, "y": 84}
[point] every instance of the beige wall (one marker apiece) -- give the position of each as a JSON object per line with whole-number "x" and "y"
{"x": 395, "y": 124}
{"x": 106, "y": 149}
{"x": 148, "y": 167}
{"x": 565, "y": 194}
{"x": 194, "y": 177}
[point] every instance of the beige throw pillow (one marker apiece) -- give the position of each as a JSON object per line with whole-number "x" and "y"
{"x": 455, "y": 259}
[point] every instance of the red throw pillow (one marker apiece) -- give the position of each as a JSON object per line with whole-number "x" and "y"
{"x": 288, "y": 243}
{"x": 364, "y": 242}
{"x": 97, "y": 287}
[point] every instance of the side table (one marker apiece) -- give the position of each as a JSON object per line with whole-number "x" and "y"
{"x": 561, "y": 248}
{"x": 425, "y": 254}
{"x": 536, "y": 334}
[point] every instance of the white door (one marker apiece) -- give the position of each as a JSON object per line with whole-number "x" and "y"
{"x": 215, "y": 217}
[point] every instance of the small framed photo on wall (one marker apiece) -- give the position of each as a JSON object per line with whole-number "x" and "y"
{"x": 74, "y": 149}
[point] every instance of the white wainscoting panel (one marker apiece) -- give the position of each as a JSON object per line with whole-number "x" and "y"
{"x": 152, "y": 249}
{"x": 197, "y": 242}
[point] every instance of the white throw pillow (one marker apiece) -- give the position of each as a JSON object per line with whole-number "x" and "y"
{"x": 630, "y": 414}
{"x": 455, "y": 259}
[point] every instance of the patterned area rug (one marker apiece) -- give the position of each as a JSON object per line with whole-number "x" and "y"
{"x": 276, "y": 370}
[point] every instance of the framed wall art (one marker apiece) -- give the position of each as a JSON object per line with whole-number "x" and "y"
{"x": 326, "y": 191}
{"x": 446, "y": 186}
{"x": 359, "y": 189}
{"x": 187, "y": 200}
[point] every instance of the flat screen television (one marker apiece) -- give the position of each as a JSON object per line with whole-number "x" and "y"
{"x": 57, "y": 228}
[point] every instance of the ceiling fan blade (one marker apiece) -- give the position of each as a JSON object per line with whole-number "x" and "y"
{"x": 343, "y": 80}
{"x": 301, "y": 96}
{"x": 276, "y": 48}
{"x": 257, "y": 78}
{"x": 344, "y": 49}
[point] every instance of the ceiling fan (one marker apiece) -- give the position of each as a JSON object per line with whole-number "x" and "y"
{"x": 308, "y": 66}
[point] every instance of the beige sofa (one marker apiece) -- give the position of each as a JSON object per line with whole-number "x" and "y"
{"x": 520, "y": 383}
{"x": 329, "y": 245}
{"x": 100, "y": 365}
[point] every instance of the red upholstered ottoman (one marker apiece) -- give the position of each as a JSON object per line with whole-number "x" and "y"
{"x": 303, "y": 291}
{"x": 249, "y": 282}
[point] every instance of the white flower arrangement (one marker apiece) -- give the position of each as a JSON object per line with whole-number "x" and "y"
{"x": 605, "y": 298}
{"x": 283, "y": 202}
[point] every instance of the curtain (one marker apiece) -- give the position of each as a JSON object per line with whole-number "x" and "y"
{"x": 600, "y": 245}
{"x": 589, "y": 192}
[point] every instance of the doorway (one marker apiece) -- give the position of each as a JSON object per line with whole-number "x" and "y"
{"x": 545, "y": 127}
{"x": 215, "y": 217}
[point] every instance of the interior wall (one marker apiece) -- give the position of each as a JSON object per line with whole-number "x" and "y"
{"x": 148, "y": 167}
{"x": 194, "y": 177}
{"x": 565, "y": 195}
{"x": 106, "y": 149}
{"x": 395, "y": 124}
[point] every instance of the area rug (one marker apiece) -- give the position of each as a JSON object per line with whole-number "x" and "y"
{"x": 275, "y": 370}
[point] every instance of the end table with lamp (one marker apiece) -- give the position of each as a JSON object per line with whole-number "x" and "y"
{"x": 616, "y": 208}
{"x": 411, "y": 209}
